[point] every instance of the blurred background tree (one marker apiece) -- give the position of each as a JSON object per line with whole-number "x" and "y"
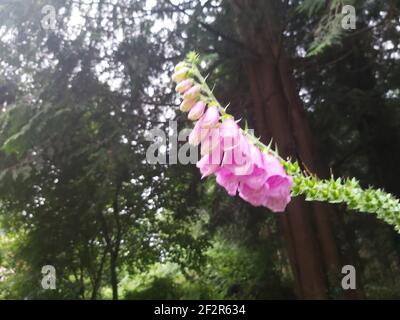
{"x": 77, "y": 193}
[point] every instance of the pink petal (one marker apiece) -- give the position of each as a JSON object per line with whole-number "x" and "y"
{"x": 255, "y": 197}
{"x": 211, "y": 117}
{"x": 210, "y": 163}
{"x": 227, "y": 180}
{"x": 197, "y": 110}
{"x": 198, "y": 133}
{"x": 238, "y": 158}
{"x": 211, "y": 142}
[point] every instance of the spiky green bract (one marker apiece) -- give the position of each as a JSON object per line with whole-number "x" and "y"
{"x": 347, "y": 191}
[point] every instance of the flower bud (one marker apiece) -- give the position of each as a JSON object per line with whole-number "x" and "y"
{"x": 186, "y": 105}
{"x": 197, "y": 111}
{"x": 180, "y": 75}
{"x": 184, "y": 85}
{"x": 179, "y": 66}
{"x": 192, "y": 93}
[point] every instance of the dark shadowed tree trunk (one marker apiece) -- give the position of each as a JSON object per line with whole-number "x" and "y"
{"x": 114, "y": 276}
{"x": 97, "y": 277}
{"x": 279, "y": 113}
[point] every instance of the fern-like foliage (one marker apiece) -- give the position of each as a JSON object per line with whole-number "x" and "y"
{"x": 311, "y": 7}
{"x": 328, "y": 31}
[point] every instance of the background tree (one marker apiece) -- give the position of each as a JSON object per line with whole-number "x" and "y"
{"x": 76, "y": 192}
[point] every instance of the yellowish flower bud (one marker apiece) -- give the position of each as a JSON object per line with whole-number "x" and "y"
{"x": 184, "y": 85}
{"x": 180, "y": 75}
{"x": 192, "y": 93}
{"x": 179, "y": 66}
{"x": 186, "y": 105}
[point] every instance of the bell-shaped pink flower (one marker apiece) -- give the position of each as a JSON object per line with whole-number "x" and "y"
{"x": 279, "y": 185}
{"x": 230, "y": 133}
{"x": 237, "y": 158}
{"x": 255, "y": 197}
{"x": 198, "y": 133}
{"x": 256, "y": 179}
{"x": 184, "y": 85}
{"x": 192, "y": 93}
{"x": 211, "y": 142}
{"x": 197, "y": 111}
{"x": 211, "y": 117}
{"x": 259, "y": 175}
{"x": 210, "y": 163}
{"x": 227, "y": 180}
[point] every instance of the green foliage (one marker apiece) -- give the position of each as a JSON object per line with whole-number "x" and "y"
{"x": 73, "y": 192}
{"x": 329, "y": 31}
{"x": 240, "y": 272}
{"x": 232, "y": 271}
{"x": 311, "y": 7}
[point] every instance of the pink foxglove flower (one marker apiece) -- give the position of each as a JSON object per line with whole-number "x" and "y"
{"x": 197, "y": 111}
{"x": 259, "y": 175}
{"x": 198, "y": 133}
{"x": 228, "y": 180}
{"x": 211, "y": 142}
{"x": 210, "y": 118}
{"x": 237, "y": 156}
{"x": 210, "y": 163}
{"x": 230, "y": 153}
{"x": 279, "y": 185}
{"x": 255, "y": 197}
{"x": 230, "y": 133}
{"x": 184, "y": 85}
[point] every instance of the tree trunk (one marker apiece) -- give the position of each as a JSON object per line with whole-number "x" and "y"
{"x": 272, "y": 116}
{"x": 279, "y": 113}
{"x": 97, "y": 277}
{"x": 114, "y": 277}
{"x": 113, "y": 252}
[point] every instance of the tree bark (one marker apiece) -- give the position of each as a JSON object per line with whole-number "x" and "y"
{"x": 112, "y": 251}
{"x": 97, "y": 277}
{"x": 114, "y": 276}
{"x": 279, "y": 113}
{"x": 117, "y": 242}
{"x": 272, "y": 116}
